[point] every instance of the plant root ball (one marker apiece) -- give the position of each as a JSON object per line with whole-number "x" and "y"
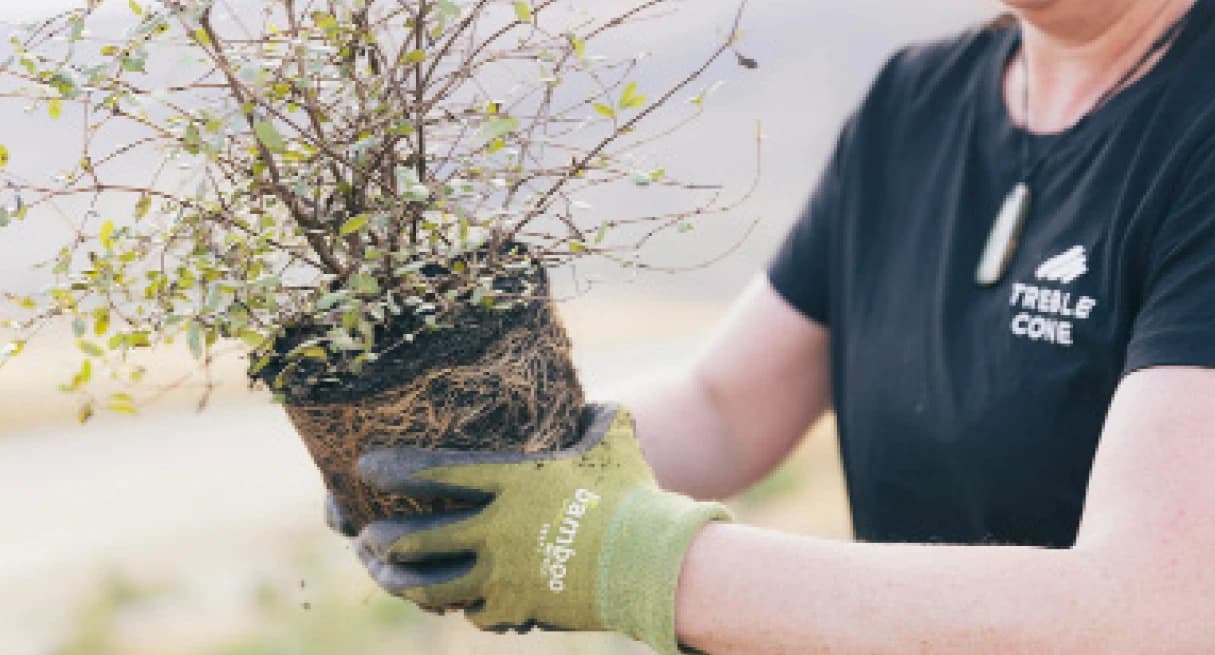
{"x": 511, "y": 387}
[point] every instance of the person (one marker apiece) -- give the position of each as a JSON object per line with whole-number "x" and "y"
{"x": 1004, "y": 285}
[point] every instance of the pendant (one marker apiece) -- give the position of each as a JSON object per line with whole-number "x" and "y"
{"x": 1005, "y": 233}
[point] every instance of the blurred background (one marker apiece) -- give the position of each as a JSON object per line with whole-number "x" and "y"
{"x": 185, "y": 533}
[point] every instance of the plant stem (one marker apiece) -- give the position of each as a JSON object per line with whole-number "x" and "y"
{"x": 307, "y": 225}
{"x": 420, "y": 119}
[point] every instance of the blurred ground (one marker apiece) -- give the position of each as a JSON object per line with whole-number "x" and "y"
{"x": 201, "y": 534}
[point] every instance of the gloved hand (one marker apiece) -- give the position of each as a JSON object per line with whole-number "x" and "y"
{"x": 577, "y": 540}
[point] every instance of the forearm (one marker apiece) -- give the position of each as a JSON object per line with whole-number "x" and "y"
{"x": 750, "y": 591}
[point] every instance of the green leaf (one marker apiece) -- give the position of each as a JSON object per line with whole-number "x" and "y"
{"x": 134, "y": 64}
{"x": 325, "y": 21}
{"x": 89, "y": 348}
{"x": 143, "y": 206}
{"x": 605, "y": 110}
{"x": 269, "y": 136}
{"x": 121, "y": 402}
{"x": 313, "y": 352}
{"x": 629, "y": 98}
{"x": 194, "y": 339}
{"x": 578, "y": 44}
{"x": 12, "y": 349}
{"x": 523, "y": 11}
{"x": 192, "y": 140}
{"x": 55, "y": 108}
{"x": 500, "y": 126}
{"x": 202, "y": 37}
{"x": 261, "y": 363}
{"x": 84, "y": 413}
{"x": 101, "y": 325}
{"x": 253, "y": 339}
{"x": 354, "y": 225}
{"x": 415, "y": 56}
{"x": 3, "y": 155}
{"x": 328, "y": 300}
{"x": 404, "y": 128}
{"x": 107, "y": 235}
{"x": 601, "y": 233}
{"x": 577, "y": 247}
{"x": 365, "y": 284}
{"x": 83, "y": 376}
{"x": 135, "y": 8}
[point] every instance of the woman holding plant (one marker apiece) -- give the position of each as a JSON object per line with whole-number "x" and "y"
{"x": 1031, "y": 390}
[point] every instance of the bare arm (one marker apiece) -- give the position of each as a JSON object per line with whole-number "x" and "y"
{"x": 752, "y": 393}
{"x": 1140, "y": 579}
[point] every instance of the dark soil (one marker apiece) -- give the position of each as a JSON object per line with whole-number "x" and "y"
{"x": 309, "y": 383}
{"x": 475, "y": 329}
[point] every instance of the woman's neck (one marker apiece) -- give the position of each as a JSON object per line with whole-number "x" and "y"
{"x": 1075, "y": 51}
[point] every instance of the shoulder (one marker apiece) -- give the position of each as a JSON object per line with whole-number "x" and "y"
{"x": 1187, "y": 101}
{"x": 943, "y": 68}
{"x": 1172, "y": 122}
{"x": 927, "y": 84}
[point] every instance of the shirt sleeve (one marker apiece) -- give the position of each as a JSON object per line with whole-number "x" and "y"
{"x": 801, "y": 271}
{"x": 1175, "y": 325}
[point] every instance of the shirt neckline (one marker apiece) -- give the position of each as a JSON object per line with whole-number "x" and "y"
{"x": 1197, "y": 19}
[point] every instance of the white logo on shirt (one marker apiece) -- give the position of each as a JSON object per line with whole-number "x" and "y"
{"x": 1049, "y": 315}
{"x": 1064, "y": 267}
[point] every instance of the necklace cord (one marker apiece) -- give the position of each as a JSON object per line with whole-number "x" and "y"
{"x": 1158, "y": 45}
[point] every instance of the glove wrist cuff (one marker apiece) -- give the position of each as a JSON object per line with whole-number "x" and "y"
{"x": 642, "y": 559}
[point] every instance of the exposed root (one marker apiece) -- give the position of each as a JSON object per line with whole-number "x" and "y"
{"x": 521, "y": 395}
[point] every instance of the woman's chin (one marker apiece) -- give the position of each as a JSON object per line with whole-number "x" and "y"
{"x": 1029, "y": 5}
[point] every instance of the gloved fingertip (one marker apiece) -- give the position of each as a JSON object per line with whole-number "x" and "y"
{"x": 398, "y": 579}
{"x": 382, "y": 469}
{"x": 336, "y": 519}
{"x": 383, "y": 539}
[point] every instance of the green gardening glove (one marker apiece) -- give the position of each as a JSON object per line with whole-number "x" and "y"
{"x": 577, "y": 540}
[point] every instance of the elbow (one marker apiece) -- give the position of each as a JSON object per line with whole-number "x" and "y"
{"x": 734, "y": 455}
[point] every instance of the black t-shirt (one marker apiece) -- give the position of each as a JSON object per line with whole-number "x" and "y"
{"x": 971, "y": 414}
